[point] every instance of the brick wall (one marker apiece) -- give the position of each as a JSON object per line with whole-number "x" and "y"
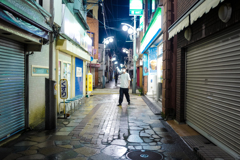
{"x": 94, "y": 27}
{"x": 169, "y": 59}
{"x": 202, "y": 29}
{"x": 183, "y": 6}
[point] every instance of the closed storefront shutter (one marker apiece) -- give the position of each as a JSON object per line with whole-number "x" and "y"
{"x": 12, "y": 105}
{"x": 213, "y": 89}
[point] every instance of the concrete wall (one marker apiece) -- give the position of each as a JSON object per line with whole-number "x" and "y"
{"x": 37, "y": 86}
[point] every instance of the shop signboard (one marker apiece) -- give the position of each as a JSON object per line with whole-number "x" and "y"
{"x": 152, "y": 56}
{"x": 72, "y": 29}
{"x": 152, "y": 32}
{"x": 89, "y": 82}
{"x": 63, "y": 89}
{"x": 145, "y": 65}
{"x": 136, "y": 7}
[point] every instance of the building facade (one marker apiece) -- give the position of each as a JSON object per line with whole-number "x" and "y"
{"x": 25, "y": 28}
{"x": 207, "y": 52}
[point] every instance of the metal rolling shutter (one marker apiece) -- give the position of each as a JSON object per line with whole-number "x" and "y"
{"x": 12, "y": 105}
{"x": 213, "y": 89}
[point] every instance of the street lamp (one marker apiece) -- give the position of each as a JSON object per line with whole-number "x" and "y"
{"x": 132, "y": 31}
{"x": 105, "y": 42}
{"x": 125, "y": 50}
{"x": 116, "y": 63}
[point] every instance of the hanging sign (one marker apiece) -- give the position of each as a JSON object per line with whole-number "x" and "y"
{"x": 63, "y": 89}
{"x": 136, "y": 7}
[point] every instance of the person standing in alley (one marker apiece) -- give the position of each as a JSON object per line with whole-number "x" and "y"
{"x": 116, "y": 77}
{"x": 124, "y": 87}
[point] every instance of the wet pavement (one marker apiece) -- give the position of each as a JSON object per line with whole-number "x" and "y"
{"x": 100, "y": 130}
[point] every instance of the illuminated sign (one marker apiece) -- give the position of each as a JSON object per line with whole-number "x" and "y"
{"x": 153, "y": 5}
{"x": 136, "y": 7}
{"x": 141, "y": 23}
{"x": 89, "y": 86}
{"x": 72, "y": 29}
{"x": 152, "y": 31}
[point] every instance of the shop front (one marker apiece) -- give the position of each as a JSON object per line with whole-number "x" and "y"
{"x": 149, "y": 49}
{"x": 93, "y": 67}
{"x": 139, "y": 65}
{"x": 72, "y": 54}
{"x": 21, "y": 33}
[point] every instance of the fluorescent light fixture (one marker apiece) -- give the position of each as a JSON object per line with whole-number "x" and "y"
{"x": 130, "y": 31}
{"x": 125, "y": 28}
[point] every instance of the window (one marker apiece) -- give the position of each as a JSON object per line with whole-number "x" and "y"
{"x": 90, "y": 14}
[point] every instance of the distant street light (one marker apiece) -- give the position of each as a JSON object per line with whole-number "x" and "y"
{"x": 105, "y": 42}
{"x": 116, "y": 63}
{"x": 132, "y": 31}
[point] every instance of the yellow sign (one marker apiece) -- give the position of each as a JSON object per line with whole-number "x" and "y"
{"x": 90, "y": 86}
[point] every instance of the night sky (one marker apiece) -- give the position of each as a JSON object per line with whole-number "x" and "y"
{"x": 116, "y": 12}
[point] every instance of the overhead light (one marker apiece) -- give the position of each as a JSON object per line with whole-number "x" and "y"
{"x": 125, "y": 28}
{"x": 107, "y": 41}
{"x": 116, "y": 63}
{"x": 130, "y": 31}
{"x": 113, "y": 59}
{"x": 111, "y": 40}
{"x": 124, "y": 50}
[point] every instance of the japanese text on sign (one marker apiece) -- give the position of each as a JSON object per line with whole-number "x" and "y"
{"x": 63, "y": 89}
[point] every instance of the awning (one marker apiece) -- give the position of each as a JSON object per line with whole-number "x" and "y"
{"x": 180, "y": 26}
{"x": 197, "y": 11}
{"x": 205, "y": 7}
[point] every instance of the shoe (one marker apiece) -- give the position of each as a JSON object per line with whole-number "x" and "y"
{"x": 119, "y": 105}
{"x": 128, "y": 103}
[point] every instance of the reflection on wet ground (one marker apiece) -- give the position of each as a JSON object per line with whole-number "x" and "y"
{"x": 100, "y": 130}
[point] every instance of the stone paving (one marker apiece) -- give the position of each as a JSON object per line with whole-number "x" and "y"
{"x": 100, "y": 130}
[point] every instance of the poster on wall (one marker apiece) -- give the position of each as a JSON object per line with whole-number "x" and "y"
{"x": 160, "y": 63}
{"x": 145, "y": 64}
{"x": 153, "y": 60}
{"x": 78, "y": 72}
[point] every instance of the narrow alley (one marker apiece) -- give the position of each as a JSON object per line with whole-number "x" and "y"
{"x": 100, "y": 130}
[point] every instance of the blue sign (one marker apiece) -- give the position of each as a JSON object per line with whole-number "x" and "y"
{"x": 153, "y": 60}
{"x": 145, "y": 65}
{"x": 79, "y": 79}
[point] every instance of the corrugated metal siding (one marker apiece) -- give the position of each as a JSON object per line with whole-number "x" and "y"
{"x": 12, "y": 117}
{"x": 213, "y": 88}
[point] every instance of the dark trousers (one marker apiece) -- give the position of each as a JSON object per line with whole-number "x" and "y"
{"x": 123, "y": 91}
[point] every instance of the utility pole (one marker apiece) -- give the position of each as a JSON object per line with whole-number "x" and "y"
{"x": 134, "y": 57}
{"x": 103, "y": 82}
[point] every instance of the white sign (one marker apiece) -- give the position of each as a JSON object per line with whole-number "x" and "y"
{"x": 63, "y": 89}
{"x": 79, "y": 72}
